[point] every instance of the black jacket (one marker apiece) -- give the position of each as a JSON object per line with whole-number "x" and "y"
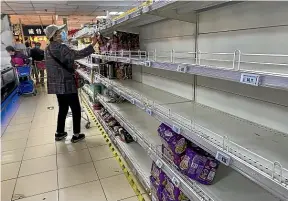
{"x": 37, "y": 54}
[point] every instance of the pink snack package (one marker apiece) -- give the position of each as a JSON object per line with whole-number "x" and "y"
{"x": 198, "y": 167}
{"x": 172, "y": 140}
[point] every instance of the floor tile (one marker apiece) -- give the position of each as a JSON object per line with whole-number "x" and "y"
{"x": 76, "y": 175}
{"x": 40, "y": 140}
{"x": 18, "y": 116}
{"x": 20, "y": 127}
{"x": 51, "y": 196}
{"x": 12, "y": 156}
{"x": 13, "y": 144}
{"x": 45, "y": 130}
{"x": 7, "y": 188}
{"x": 10, "y": 171}
{"x": 95, "y": 141}
{"x": 39, "y": 151}
{"x": 107, "y": 168}
{"x": 38, "y": 165}
{"x": 24, "y": 120}
{"x": 93, "y": 131}
{"x": 86, "y": 192}
{"x": 73, "y": 158}
{"x": 68, "y": 146}
{"x": 36, "y": 184}
{"x": 117, "y": 188}
{"x": 100, "y": 153}
{"x": 135, "y": 198}
{"x": 15, "y": 135}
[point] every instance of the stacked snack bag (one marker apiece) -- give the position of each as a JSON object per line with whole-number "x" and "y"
{"x": 162, "y": 187}
{"x": 190, "y": 159}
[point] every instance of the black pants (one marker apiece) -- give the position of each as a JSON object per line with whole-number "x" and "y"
{"x": 65, "y": 101}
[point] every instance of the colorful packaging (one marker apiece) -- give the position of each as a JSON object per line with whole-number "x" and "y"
{"x": 173, "y": 193}
{"x": 156, "y": 189}
{"x": 175, "y": 158}
{"x": 198, "y": 167}
{"x": 158, "y": 175}
{"x": 172, "y": 140}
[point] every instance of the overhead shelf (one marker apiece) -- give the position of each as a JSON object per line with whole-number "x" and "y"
{"x": 228, "y": 182}
{"x": 235, "y": 67}
{"x": 84, "y": 62}
{"x": 252, "y": 155}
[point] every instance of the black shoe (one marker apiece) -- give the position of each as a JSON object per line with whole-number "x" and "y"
{"x": 77, "y": 138}
{"x": 60, "y": 136}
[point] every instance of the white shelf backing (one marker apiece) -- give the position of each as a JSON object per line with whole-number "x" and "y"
{"x": 262, "y": 167}
{"x": 228, "y": 182}
{"x": 133, "y": 153}
{"x": 267, "y": 70}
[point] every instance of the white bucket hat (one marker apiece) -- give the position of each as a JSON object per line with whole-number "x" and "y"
{"x": 51, "y": 30}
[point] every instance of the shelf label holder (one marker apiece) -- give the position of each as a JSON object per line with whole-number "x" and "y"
{"x": 159, "y": 163}
{"x": 147, "y": 63}
{"x": 149, "y": 111}
{"x": 223, "y": 158}
{"x": 176, "y": 182}
{"x": 176, "y": 129}
{"x": 182, "y": 68}
{"x": 251, "y": 79}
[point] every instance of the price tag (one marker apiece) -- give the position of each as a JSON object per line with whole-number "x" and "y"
{"x": 176, "y": 129}
{"x": 133, "y": 101}
{"x": 250, "y": 79}
{"x": 149, "y": 111}
{"x": 147, "y": 63}
{"x": 223, "y": 158}
{"x": 175, "y": 181}
{"x": 134, "y": 138}
{"x": 128, "y": 60}
{"x": 159, "y": 163}
{"x": 182, "y": 69}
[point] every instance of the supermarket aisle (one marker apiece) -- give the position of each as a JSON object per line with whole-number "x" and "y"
{"x": 36, "y": 168}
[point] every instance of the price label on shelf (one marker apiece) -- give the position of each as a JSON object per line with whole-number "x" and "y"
{"x": 134, "y": 138}
{"x": 128, "y": 60}
{"x": 149, "y": 111}
{"x": 159, "y": 163}
{"x": 147, "y": 63}
{"x": 176, "y": 129}
{"x": 133, "y": 101}
{"x": 182, "y": 69}
{"x": 251, "y": 79}
{"x": 223, "y": 158}
{"x": 175, "y": 181}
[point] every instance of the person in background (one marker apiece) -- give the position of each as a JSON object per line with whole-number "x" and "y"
{"x": 17, "y": 58}
{"x": 28, "y": 48}
{"x": 59, "y": 61}
{"x": 38, "y": 55}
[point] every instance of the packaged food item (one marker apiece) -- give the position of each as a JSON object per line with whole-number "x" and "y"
{"x": 156, "y": 189}
{"x": 198, "y": 167}
{"x": 125, "y": 136}
{"x": 172, "y": 140}
{"x": 173, "y": 157}
{"x": 173, "y": 193}
{"x": 158, "y": 174}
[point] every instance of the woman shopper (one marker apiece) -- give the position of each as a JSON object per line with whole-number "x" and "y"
{"x": 59, "y": 59}
{"x": 38, "y": 55}
{"x": 18, "y": 59}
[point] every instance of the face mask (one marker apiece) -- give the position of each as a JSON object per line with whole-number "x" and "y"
{"x": 37, "y": 46}
{"x": 64, "y": 36}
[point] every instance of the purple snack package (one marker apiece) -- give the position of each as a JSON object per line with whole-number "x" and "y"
{"x": 198, "y": 167}
{"x": 172, "y": 140}
{"x": 156, "y": 189}
{"x": 173, "y": 193}
{"x": 158, "y": 174}
{"x": 175, "y": 158}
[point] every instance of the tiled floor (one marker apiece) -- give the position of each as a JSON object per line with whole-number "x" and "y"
{"x": 36, "y": 168}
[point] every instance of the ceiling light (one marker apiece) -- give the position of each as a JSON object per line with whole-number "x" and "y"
{"x": 101, "y": 17}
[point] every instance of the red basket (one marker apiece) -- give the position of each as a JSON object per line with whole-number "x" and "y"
{"x": 40, "y": 65}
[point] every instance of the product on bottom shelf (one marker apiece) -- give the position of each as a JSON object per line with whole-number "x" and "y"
{"x": 158, "y": 174}
{"x": 173, "y": 193}
{"x": 198, "y": 167}
{"x": 156, "y": 189}
{"x": 125, "y": 136}
{"x": 175, "y": 142}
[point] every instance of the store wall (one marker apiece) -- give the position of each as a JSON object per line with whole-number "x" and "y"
{"x": 164, "y": 36}
{"x": 252, "y": 27}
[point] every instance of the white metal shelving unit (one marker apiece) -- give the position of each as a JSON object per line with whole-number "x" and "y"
{"x": 256, "y": 152}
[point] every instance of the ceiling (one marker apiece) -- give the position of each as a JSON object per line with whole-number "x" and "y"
{"x": 47, "y": 12}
